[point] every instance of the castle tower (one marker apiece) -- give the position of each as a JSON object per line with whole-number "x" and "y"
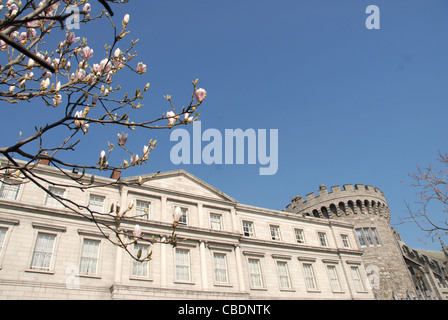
{"x": 367, "y": 208}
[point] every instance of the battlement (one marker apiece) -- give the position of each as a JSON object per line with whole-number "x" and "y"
{"x": 348, "y": 198}
{"x": 347, "y": 190}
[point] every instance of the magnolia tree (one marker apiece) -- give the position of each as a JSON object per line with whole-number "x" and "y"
{"x": 430, "y": 211}
{"x": 83, "y": 89}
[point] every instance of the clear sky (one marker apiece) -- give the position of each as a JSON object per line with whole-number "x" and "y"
{"x": 351, "y": 105}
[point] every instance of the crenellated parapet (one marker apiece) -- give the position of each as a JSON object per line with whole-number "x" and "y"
{"x": 342, "y": 201}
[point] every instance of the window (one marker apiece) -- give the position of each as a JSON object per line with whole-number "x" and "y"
{"x": 3, "y": 232}
{"x": 143, "y": 209}
{"x": 183, "y": 265}
{"x": 215, "y": 221}
{"x": 90, "y": 257}
{"x": 220, "y": 262}
{"x": 345, "y": 241}
{"x": 43, "y": 251}
{"x": 256, "y": 279}
{"x": 322, "y": 239}
{"x": 275, "y": 232}
{"x": 300, "y": 236}
{"x": 375, "y": 236}
{"x": 310, "y": 281}
{"x": 361, "y": 239}
{"x": 9, "y": 190}
{"x": 357, "y": 279}
{"x": 248, "y": 229}
{"x": 184, "y": 218}
{"x": 283, "y": 275}
{"x": 368, "y": 236}
{"x": 96, "y": 203}
{"x": 334, "y": 279}
{"x": 52, "y": 201}
{"x": 140, "y": 269}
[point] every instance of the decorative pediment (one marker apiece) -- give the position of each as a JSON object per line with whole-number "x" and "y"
{"x": 183, "y": 182}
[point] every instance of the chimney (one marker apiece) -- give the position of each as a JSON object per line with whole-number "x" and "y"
{"x": 45, "y": 162}
{"x": 115, "y": 174}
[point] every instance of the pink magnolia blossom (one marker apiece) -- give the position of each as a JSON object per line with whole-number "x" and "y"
{"x": 134, "y": 159}
{"x": 86, "y": 7}
{"x": 57, "y": 99}
{"x": 171, "y": 117}
{"x": 200, "y": 94}
{"x": 87, "y": 53}
{"x": 125, "y": 19}
{"x": 137, "y": 231}
{"x": 177, "y": 214}
{"x": 85, "y": 128}
{"x": 122, "y": 138}
{"x": 141, "y": 68}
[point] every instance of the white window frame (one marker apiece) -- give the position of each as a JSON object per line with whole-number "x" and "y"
{"x": 9, "y": 184}
{"x": 250, "y": 228}
{"x": 96, "y": 208}
{"x": 140, "y": 212}
{"x": 50, "y": 201}
{"x": 368, "y": 236}
{"x": 184, "y": 265}
{"x": 322, "y": 237}
{"x": 96, "y": 272}
{"x": 258, "y": 274}
{"x": 7, "y": 225}
{"x": 214, "y": 224}
{"x": 302, "y": 235}
{"x": 274, "y": 231}
{"x": 335, "y": 283}
{"x": 361, "y": 238}
{"x": 345, "y": 240}
{"x": 357, "y": 280}
{"x": 283, "y": 276}
{"x": 33, "y": 265}
{"x": 223, "y": 270}
{"x": 141, "y": 269}
{"x": 309, "y": 277}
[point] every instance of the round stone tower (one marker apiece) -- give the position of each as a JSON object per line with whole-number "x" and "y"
{"x": 366, "y": 208}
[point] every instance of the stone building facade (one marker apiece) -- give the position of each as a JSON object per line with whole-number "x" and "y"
{"x": 230, "y": 250}
{"x": 385, "y": 256}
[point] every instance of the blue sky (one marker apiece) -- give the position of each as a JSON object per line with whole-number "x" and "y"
{"x": 351, "y": 105}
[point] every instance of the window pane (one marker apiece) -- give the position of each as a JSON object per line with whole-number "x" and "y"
{"x": 309, "y": 277}
{"x": 140, "y": 269}
{"x": 255, "y": 273}
{"x": 220, "y": 268}
{"x": 182, "y": 265}
{"x": 334, "y": 281}
{"x": 345, "y": 241}
{"x": 142, "y": 209}
{"x": 283, "y": 275}
{"x": 357, "y": 279}
{"x": 322, "y": 239}
{"x": 361, "y": 239}
{"x": 368, "y": 237}
{"x": 9, "y": 190}
{"x": 299, "y": 236}
{"x": 89, "y": 256}
{"x": 96, "y": 203}
{"x": 52, "y": 201}
{"x": 375, "y": 236}
{"x": 43, "y": 251}
{"x": 248, "y": 229}
{"x": 215, "y": 221}
{"x": 2, "y": 237}
{"x": 275, "y": 232}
